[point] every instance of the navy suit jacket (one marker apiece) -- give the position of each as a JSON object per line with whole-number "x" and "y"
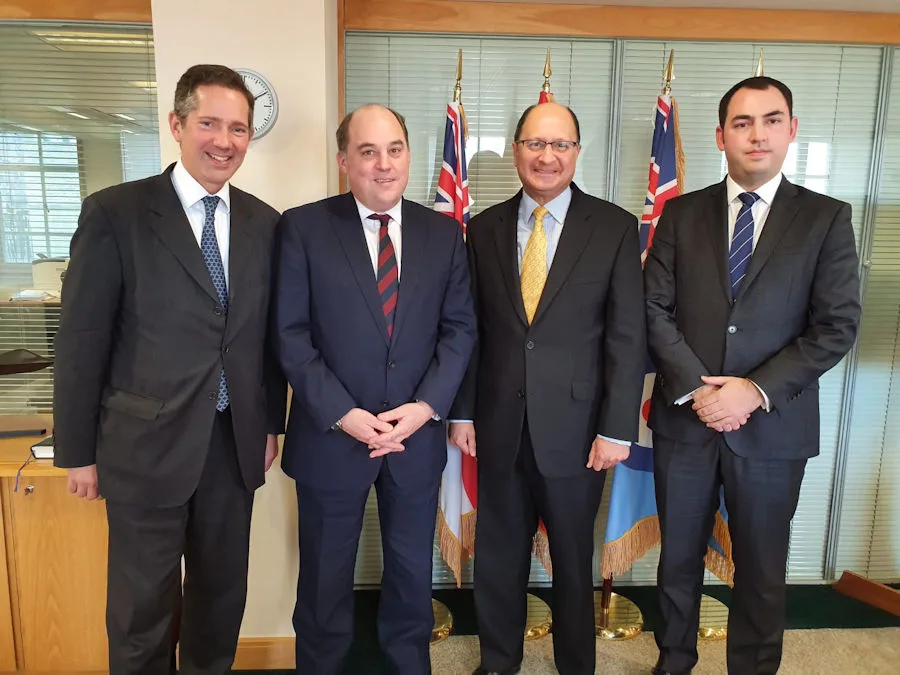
{"x": 333, "y": 343}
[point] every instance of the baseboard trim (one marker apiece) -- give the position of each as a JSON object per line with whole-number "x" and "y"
{"x": 870, "y": 592}
{"x": 275, "y": 653}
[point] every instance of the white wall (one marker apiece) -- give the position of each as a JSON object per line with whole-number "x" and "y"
{"x": 294, "y": 44}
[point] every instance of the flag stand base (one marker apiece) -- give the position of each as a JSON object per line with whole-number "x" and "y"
{"x": 713, "y": 619}
{"x": 443, "y": 621}
{"x": 621, "y": 620}
{"x": 539, "y": 620}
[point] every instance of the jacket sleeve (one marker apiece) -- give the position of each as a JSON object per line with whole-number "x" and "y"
{"x": 90, "y": 304}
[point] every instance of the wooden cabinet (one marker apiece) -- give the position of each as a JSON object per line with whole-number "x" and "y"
{"x": 7, "y": 641}
{"x": 55, "y": 552}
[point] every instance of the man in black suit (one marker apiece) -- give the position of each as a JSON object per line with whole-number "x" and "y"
{"x": 752, "y": 295}
{"x": 167, "y": 401}
{"x": 553, "y": 389}
{"x": 375, "y": 329}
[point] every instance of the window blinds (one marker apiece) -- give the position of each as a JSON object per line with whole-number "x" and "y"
{"x": 77, "y": 114}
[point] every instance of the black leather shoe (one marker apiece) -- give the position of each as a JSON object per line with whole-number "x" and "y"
{"x": 660, "y": 671}
{"x": 509, "y": 671}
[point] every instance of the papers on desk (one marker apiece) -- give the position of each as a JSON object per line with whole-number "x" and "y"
{"x": 43, "y": 449}
{"x": 35, "y": 295}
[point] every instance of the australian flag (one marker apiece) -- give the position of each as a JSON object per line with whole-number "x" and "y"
{"x": 632, "y": 527}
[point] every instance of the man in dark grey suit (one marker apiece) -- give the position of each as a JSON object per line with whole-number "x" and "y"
{"x": 553, "y": 391}
{"x": 167, "y": 401}
{"x": 752, "y": 295}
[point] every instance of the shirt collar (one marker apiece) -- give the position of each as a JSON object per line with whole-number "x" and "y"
{"x": 190, "y": 191}
{"x": 766, "y": 191}
{"x": 558, "y": 207}
{"x": 364, "y": 212}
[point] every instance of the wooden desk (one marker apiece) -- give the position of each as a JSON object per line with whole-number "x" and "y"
{"x": 52, "y": 569}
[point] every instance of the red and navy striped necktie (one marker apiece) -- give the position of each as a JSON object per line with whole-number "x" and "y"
{"x": 388, "y": 275}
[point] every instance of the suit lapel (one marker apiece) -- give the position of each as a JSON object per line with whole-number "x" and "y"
{"x": 415, "y": 236}
{"x": 716, "y": 218}
{"x": 171, "y": 225}
{"x": 576, "y": 231}
{"x": 508, "y": 255}
{"x": 781, "y": 214}
{"x": 347, "y": 226}
{"x": 241, "y": 247}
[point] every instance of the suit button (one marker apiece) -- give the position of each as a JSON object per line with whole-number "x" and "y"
{"x": 385, "y": 404}
{"x": 391, "y": 364}
{"x": 210, "y": 395}
{"x": 529, "y": 344}
{"x": 219, "y": 311}
{"x": 732, "y": 330}
{"x": 226, "y": 348}
{"x": 521, "y": 393}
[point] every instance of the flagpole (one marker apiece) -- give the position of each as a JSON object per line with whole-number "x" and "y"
{"x": 617, "y": 617}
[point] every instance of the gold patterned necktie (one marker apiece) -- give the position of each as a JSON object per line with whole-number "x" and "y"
{"x": 534, "y": 265}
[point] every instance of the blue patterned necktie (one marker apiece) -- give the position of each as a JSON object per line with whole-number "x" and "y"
{"x": 209, "y": 246}
{"x": 741, "y": 242}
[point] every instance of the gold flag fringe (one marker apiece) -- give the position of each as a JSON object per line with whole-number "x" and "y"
{"x": 721, "y": 566}
{"x": 454, "y": 551}
{"x": 541, "y": 548}
{"x": 620, "y": 554}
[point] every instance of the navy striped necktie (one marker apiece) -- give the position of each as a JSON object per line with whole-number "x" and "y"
{"x": 741, "y": 242}
{"x": 388, "y": 275}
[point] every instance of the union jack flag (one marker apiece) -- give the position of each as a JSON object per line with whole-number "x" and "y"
{"x": 459, "y": 482}
{"x": 663, "y": 182}
{"x": 453, "y": 184}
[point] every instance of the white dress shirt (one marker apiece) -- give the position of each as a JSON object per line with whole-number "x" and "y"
{"x": 760, "y": 208}
{"x": 191, "y": 194}
{"x": 371, "y": 227}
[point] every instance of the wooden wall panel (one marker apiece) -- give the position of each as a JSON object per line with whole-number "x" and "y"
{"x": 77, "y": 10}
{"x": 455, "y": 16}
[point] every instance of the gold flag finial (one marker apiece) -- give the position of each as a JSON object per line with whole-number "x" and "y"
{"x": 547, "y": 73}
{"x": 457, "y": 90}
{"x": 670, "y": 73}
{"x": 760, "y": 71}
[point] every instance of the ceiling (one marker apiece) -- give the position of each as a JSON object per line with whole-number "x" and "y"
{"x": 890, "y": 6}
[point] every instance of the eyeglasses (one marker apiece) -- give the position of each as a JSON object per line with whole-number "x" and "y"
{"x": 558, "y": 147}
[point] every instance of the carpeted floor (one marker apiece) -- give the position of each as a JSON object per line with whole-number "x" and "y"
{"x": 829, "y": 634}
{"x": 870, "y": 651}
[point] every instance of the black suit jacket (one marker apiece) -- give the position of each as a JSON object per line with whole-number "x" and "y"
{"x": 142, "y": 340}
{"x": 334, "y": 347}
{"x": 797, "y": 314}
{"x": 579, "y": 367}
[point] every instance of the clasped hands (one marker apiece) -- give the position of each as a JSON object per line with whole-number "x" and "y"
{"x": 384, "y": 433}
{"x": 725, "y": 403}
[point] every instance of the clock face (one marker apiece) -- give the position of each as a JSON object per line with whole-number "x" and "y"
{"x": 265, "y": 106}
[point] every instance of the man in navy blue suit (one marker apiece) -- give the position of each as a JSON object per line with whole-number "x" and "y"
{"x": 375, "y": 328}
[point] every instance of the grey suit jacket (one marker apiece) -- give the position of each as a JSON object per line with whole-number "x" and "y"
{"x": 142, "y": 340}
{"x": 796, "y": 316}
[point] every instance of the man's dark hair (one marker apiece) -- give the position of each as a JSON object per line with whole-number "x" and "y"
{"x": 760, "y": 83}
{"x": 343, "y": 131}
{"x": 207, "y": 75}
{"x": 528, "y": 110}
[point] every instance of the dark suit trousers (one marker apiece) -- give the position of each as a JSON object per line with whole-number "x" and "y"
{"x": 146, "y": 544}
{"x": 761, "y": 497}
{"x": 509, "y": 505}
{"x": 330, "y": 522}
